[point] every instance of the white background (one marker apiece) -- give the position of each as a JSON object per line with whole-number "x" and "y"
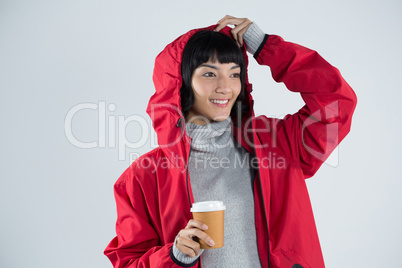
{"x": 56, "y": 200}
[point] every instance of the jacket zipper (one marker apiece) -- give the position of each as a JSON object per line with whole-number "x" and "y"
{"x": 262, "y": 195}
{"x": 180, "y": 122}
{"x": 188, "y": 191}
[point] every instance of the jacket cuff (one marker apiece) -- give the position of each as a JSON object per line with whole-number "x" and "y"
{"x": 253, "y": 37}
{"x": 261, "y": 46}
{"x": 182, "y": 259}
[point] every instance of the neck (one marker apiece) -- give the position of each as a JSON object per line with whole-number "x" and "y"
{"x": 202, "y": 120}
{"x": 209, "y": 139}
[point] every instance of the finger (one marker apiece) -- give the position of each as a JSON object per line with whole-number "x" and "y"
{"x": 196, "y": 224}
{"x": 231, "y": 21}
{"x": 188, "y": 242}
{"x": 185, "y": 244}
{"x": 203, "y": 236}
{"x": 186, "y": 250}
{"x": 190, "y": 234}
{"x": 225, "y": 21}
{"x": 227, "y": 16}
{"x": 238, "y": 31}
{"x": 239, "y": 24}
{"x": 244, "y": 26}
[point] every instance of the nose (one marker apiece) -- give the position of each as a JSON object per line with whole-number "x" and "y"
{"x": 223, "y": 85}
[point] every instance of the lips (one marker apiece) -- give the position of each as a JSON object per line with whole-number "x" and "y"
{"x": 216, "y": 101}
{"x": 220, "y": 103}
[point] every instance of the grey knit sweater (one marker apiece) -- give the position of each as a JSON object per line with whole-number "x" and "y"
{"x": 220, "y": 170}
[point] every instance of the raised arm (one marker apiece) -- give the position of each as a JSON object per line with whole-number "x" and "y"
{"x": 310, "y": 135}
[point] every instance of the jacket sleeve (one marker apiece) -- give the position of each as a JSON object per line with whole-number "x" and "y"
{"x": 137, "y": 243}
{"x": 310, "y": 135}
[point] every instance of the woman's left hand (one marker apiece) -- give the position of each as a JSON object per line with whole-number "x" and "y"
{"x": 241, "y": 26}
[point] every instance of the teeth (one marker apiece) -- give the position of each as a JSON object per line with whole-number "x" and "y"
{"x": 220, "y": 101}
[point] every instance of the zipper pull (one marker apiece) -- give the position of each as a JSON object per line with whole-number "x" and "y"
{"x": 179, "y": 122}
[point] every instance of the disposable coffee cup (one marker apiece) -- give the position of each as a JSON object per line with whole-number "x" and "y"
{"x": 212, "y": 213}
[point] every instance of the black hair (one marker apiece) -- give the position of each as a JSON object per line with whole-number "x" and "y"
{"x": 201, "y": 47}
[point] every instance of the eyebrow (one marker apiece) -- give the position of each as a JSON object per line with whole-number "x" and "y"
{"x": 214, "y": 67}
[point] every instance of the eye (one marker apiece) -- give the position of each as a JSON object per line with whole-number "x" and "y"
{"x": 209, "y": 74}
{"x": 236, "y": 75}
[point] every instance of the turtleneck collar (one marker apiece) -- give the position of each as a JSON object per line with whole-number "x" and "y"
{"x": 211, "y": 130}
{"x": 211, "y": 139}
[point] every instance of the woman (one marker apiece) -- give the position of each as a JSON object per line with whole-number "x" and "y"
{"x": 212, "y": 147}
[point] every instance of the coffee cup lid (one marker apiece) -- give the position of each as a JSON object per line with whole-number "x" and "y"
{"x": 207, "y": 206}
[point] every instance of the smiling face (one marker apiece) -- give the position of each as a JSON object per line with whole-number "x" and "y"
{"x": 216, "y": 87}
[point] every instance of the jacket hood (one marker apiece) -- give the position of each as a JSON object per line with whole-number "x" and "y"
{"x": 164, "y": 106}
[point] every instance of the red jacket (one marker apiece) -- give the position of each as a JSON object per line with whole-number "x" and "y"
{"x": 154, "y": 196}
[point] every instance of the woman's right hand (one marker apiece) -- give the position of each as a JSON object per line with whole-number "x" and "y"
{"x": 194, "y": 230}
